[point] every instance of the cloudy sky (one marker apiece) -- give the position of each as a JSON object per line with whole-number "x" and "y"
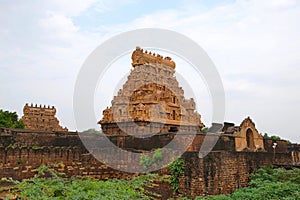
{"x": 254, "y": 44}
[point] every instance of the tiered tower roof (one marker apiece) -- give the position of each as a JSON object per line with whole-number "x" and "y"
{"x": 151, "y": 94}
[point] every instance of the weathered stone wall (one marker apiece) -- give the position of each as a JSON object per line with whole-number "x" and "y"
{"x": 282, "y": 146}
{"x": 19, "y": 163}
{"x": 222, "y": 171}
{"x": 23, "y": 137}
{"x": 295, "y": 152}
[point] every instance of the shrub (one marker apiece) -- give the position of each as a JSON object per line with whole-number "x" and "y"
{"x": 267, "y": 183}
{"x": 157, "y": 156}
{"x": 147, "y": 161}
{"x": 83, "y": 188}
{"x": 177, "y": 169}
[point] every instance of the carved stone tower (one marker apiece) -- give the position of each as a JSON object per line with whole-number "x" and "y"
{"x": 151, "y": 100}
{"x": 41, "y": 118}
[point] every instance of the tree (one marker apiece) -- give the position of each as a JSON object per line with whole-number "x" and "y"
{"x": 272, "y": 137}
{"x": 275, "y": 137}
{"x": 10, "y": 120}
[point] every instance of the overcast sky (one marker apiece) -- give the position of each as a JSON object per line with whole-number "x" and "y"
{"x": 254, "y": 44}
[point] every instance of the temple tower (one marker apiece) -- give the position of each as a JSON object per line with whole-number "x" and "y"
{"x": 41, "y": 118}
{"x": 151, "y": 100}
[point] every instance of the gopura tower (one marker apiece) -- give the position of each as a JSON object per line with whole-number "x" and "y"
{"x": 151, "y": 100}
{"x": 41, "y": 118}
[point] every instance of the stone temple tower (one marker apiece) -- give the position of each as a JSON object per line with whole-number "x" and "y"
{"x": 41, "y": 118}
{"x": 151, "y": 100}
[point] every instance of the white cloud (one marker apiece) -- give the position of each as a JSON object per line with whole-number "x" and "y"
{"x": 57, "y": 23}
{"x": 41, "y": 52}
{"x": 254, "y": 44}
{"x": 70, "y": 7}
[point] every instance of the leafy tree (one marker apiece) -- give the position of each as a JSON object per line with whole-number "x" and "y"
{"x": 10, "y": 120}
{"x": 274, "y": 137}
{"x": 266, "y": 136}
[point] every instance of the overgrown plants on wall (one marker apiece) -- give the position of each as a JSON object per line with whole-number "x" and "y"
{"x": 177, "y": 169}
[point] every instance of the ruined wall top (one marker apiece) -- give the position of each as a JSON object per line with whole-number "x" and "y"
{"x": 141, "y": 57}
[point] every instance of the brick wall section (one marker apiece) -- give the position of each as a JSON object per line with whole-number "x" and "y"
{"x": 282, "y": 146}
{"x": 20, "y": 137}
{"x": 222, "y": 172}
{"x": 20, "y": 163}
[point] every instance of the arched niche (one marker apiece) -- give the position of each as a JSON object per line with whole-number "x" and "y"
{"x": 250, "y": 139}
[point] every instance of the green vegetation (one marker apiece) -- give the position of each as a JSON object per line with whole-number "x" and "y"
{"x": 157, "y": 156}
{"x": 268, "y": 183}
{"x": 20, "y": 161}
{"x": 36, "y": 147}
{"x": 274, "y": 137}
{"x": 12, "y": 146}
{"x": 81, "y": 188}
{"x": 177, "y": 169}
{"x": 204, "y": 129}
{"x": 10, "y": 120}
{"x": 147, "y": 162}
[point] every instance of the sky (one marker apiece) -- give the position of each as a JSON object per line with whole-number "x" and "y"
{"x": 255, "y": 46}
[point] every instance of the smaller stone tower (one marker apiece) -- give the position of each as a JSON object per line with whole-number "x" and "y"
{"x": 41, "y": 118}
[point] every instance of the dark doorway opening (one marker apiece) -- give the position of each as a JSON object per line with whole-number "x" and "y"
{"x": 250, "y": 139}
{"x": 173, "y": 129}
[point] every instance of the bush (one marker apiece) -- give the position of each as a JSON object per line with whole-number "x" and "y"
{"x": 267, "y": 183}
{"x": 177, "y": 169}
{"x": 147, "y": 161}
{"x": 83, "y": 188}
{"x": 157, "y": 156}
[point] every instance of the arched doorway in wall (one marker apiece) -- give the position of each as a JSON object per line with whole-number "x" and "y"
{"x": 250, "y": 139}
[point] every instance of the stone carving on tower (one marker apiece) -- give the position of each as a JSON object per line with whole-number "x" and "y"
{"x": 151, "y": 100}
{"x": 41, "y": 118}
